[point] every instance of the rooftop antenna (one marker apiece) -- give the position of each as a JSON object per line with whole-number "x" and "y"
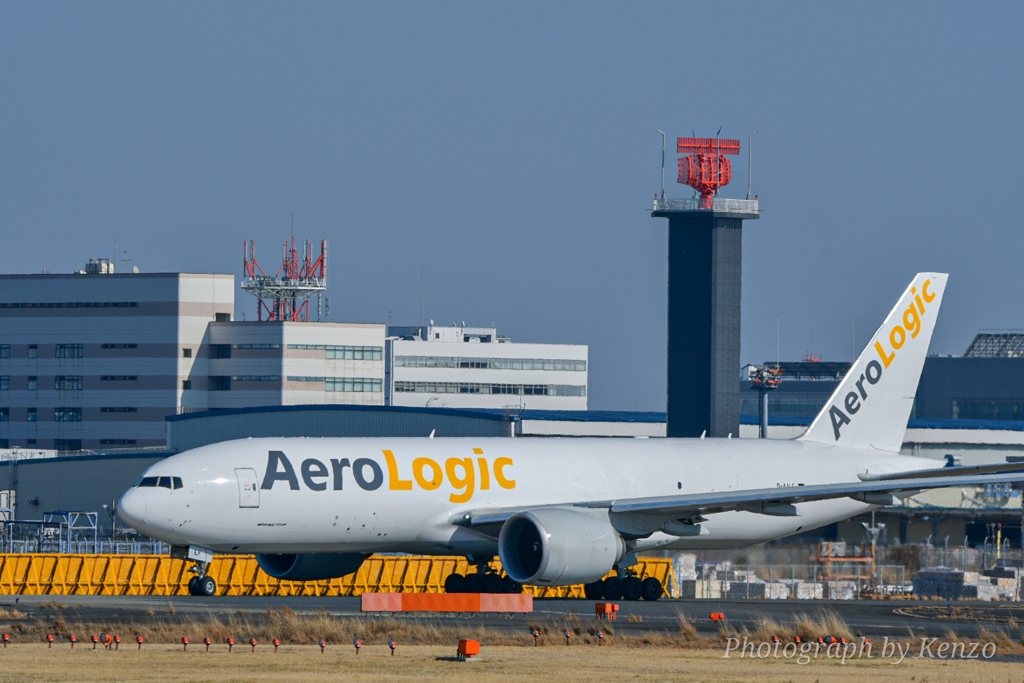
{"x": 749, "y": 154}
{"x": 662, "y": 164}
{"x": 421, "y": 297}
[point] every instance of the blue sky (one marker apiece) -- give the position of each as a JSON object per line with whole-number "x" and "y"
{"x": 506, "y": 150}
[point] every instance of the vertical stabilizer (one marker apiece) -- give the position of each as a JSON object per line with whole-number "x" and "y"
{"x": 871, "y": 407}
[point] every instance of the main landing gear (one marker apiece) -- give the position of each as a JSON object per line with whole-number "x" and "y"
{"x": 628, "y": 588}
{"x": 483, "y": 580}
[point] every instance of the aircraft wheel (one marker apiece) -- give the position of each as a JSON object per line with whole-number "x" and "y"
{"x": 511, "y": 586}
{"x": 207, "y": 586}
{"x": 613, "y": 588}
{"x": 474, "y": 583}
{"x": 492, "y": 584}
{"x": 193, "y": 586}
{"x": 651, "y": 589}
{"x": 594, "y": 591}
{"x": 454, "y": 583}
{"x": 632, "y": 588}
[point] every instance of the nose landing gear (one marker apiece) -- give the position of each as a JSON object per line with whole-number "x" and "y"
{"x": 202, "y": 584}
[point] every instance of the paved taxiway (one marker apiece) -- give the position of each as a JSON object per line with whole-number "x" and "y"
{"x": 868, "y": 617}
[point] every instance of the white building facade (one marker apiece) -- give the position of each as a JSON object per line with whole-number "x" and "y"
{"x": 472, "y": 367}
{"x": 98, "y": 360}
{"x": 295, "y": 363}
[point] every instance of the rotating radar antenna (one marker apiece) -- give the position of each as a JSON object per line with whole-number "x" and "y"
{"x": 706, "y": 169}
{"x": 285, "y": 295}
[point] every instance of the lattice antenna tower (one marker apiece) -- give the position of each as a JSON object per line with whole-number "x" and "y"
{"x": 285, "y": 295}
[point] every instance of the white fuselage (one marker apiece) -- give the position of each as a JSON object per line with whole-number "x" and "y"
{"x": 383, "y": 494}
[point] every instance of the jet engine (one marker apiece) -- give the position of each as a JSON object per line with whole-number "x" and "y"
{"x": 310, "y": 566}
{"x": 559, "y": 546}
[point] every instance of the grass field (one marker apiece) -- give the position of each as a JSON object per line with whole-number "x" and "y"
{"x": 31, "y": 662}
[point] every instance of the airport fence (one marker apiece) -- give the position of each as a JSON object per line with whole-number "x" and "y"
{"x": 833, "y": 581}
{"x": 67, "y": 574}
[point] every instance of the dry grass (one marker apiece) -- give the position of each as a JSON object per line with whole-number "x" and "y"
{"x": 301, "y": 629}
{"x": 53, "y": 604}
{"x": 11, "y": 613}
{"x": 418, "y": 664}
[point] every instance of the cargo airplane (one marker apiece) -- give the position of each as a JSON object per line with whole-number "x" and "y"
{"x": 557, "y": 511}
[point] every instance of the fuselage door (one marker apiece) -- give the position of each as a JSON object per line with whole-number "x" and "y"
{"x": 248, "y": 488}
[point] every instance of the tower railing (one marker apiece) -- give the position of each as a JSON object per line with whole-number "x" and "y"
{"x": 749, "y": 206}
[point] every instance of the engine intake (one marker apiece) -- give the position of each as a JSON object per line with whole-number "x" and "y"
{"x": 310, "y": 566}
{"x": 559, "y": 546}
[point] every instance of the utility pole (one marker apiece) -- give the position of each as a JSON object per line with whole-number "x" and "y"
{"x": 750, "y": 153}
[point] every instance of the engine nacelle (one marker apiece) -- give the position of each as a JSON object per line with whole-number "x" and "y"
{"x": 559, "y": 546}
{"x": 310, "y": 566}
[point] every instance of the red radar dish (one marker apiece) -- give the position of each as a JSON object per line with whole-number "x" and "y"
{"x": 706, "y": 169}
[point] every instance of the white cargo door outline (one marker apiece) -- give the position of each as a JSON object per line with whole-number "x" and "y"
{"x": 248, "y": 488}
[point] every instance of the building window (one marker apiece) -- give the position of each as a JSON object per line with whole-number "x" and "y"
{"x": 353, "y": 384}
{"x": 67, "y": 383}
{"x": 5, "y": 414}
{"x": 33, "y": 383}
{"x": 256, "y": 346}
{"x": 5, "y": 383}
{"x": 221, "y": 317}
{"x": 988, "y": 409}
{"x": 220, "y": 351}
{"x": 67, "y": 414}
{"x": 118, "y": 442}
{"x": 30, "y": 416}
{"x": 119, "y": 346}
{"x": 220, "y": 384}
{"x": 488, "y": 388}
{"x": 256, "y": 378}
{"x": 186, "y": 384}
{"x": 119, "y": 410}
{"x": 68, "y": 351}
{"x": 118, "y": 378}
{"x": 186, "y": 353}
{"x": 74, "y": 304}
{"x": 334, "y": 352}
{"x": 33, "y": 351}
{"x": 67, "y": 444}
{"x": 5, "y": 350}
{"x": 491, "y": 363}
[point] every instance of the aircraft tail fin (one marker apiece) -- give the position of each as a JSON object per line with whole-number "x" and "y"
{"x": 871, "y": 406}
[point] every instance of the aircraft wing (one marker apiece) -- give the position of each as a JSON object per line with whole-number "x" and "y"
{"x": 945, "y": 472}
{"x": 778, "y": 501}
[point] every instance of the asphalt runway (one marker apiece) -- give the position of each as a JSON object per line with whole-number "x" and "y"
{"x": 866, "y": 617}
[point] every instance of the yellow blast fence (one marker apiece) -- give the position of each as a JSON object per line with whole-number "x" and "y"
{"x": 65, "y": 574}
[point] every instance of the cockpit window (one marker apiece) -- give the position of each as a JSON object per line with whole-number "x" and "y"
{"x": 147, "y": 481}
{"x": 165, "y": 482}
{"x": 177, "y": 482}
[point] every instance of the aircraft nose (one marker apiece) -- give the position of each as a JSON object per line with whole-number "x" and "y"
{"x": 132, "y": 507}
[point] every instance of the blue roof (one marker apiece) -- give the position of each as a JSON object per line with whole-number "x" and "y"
{"x": 913, "y": 423}
{"x": 479, "y": 413}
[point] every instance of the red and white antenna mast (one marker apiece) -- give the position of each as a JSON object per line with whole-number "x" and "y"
{"x": 285, "y": 295}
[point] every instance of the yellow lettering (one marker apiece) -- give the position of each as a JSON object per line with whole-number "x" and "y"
{"x": 911, "y": 321}
{"x": 499, "y": 475}
{"x": 892, "y": 337}
{"x": 417, "y": 472}
{"x": 485, "y": 474}
{"x": 394, "y": 483}
{"x": 924, "y": 292}
{"x": 881, "y": 352}
{"x": 466, "y": 481}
